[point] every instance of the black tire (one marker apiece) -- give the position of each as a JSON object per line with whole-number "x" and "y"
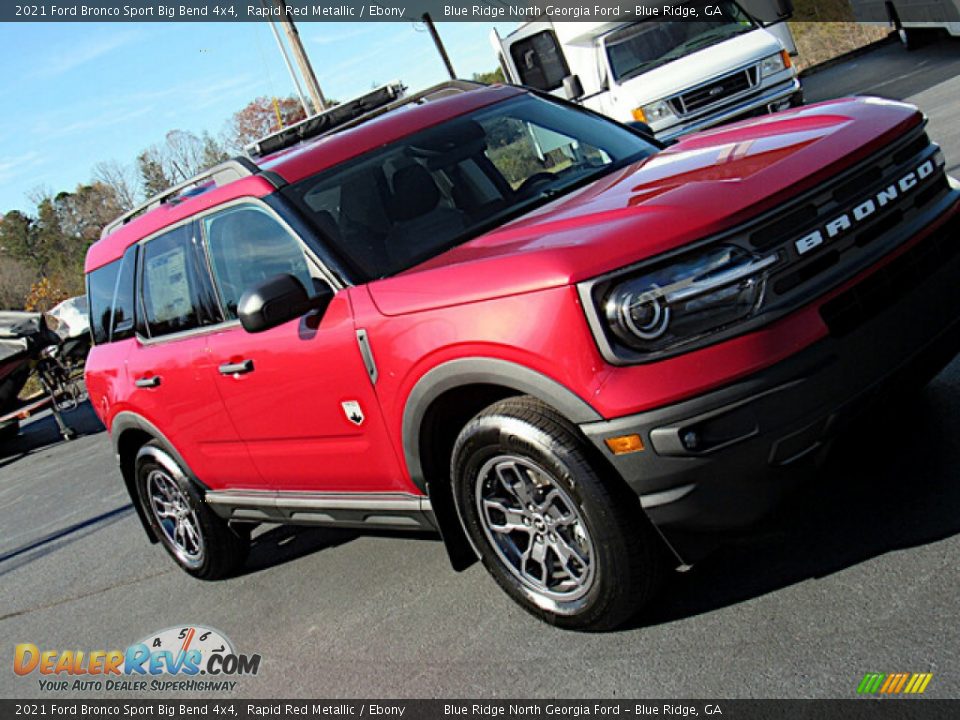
{"x": 208, "y": 548}
{"x": 910, "y": 39}
{"x": 622, "y": 553}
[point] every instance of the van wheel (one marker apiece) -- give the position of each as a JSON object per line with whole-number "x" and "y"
{"x": 567, "y": 542}
{"x": 910, "y": 39}
{"x": 199, "y": 541}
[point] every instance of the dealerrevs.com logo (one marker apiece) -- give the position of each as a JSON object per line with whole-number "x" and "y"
{"x": 182, "y": 652}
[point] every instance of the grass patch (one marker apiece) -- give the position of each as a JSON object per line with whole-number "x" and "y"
{"x": 818, "y": 42}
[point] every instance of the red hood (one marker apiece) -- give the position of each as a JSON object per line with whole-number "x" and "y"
{"x": 704, "y": 184}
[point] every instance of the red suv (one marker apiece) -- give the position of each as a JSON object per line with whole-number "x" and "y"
{"x": 489, "y": 313}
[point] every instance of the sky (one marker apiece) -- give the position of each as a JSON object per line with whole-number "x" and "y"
{"x": 75, "y": 94}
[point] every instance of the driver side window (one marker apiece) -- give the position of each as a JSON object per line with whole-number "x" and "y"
{"x": 520, "y": 149}
{"x": 247, "y": 246}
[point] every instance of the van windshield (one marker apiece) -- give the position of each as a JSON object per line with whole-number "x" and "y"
{"x": 400, "y": 204}
{"x": 643, "y": 46}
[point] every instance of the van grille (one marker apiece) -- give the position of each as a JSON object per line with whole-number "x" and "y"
{"x": 715, "y": 92}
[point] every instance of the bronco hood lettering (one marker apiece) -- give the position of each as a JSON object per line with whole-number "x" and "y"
{"x": 845, "y": 221}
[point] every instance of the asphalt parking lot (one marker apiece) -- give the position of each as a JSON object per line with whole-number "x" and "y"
{"x": 860, "y": 576}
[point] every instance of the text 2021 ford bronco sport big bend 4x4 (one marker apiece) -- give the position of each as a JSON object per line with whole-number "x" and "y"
{"x": 499, "y": 316}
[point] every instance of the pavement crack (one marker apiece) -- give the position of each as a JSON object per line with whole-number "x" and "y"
{"x": 83, "y": 596}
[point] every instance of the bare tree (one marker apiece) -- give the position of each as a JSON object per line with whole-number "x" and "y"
{"x": 153, "y": 174}
{"x": 122, "y": 178}
{"x": 184, "y": 154}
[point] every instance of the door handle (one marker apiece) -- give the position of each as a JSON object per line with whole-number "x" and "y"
{"x": 237, "y": 368}
{"x": 147, "y": 382}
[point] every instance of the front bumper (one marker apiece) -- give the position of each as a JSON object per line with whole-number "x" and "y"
{"x": 773, "y": 97}
{"x": 724, "y": 459}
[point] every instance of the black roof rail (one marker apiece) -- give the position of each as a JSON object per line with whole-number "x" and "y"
{"x": 225, "y": 172}
{"x": 353, "y": 112}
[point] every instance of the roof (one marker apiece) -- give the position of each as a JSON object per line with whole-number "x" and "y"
{"x": 291, "y": 165}
{"x": 329, "y": 150}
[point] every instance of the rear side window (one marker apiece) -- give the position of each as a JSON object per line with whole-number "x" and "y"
{"x": 175, "y": 287}
{"x": 539, "y": 61}
{"x": 247, "y": 246}
{"x": 101, "y": 286}
{"x": 122, "y": 326}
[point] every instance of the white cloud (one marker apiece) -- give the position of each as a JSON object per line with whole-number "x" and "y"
{"x": 329, "y": 39}
{"x": 12, "y": 166}
{"x": 61, "y": 60}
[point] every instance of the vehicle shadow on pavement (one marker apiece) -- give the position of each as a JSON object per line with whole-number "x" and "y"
{"x": 278, "y": 544}
{"x": 888, "y": 486}
{"x": 16, "y": 557}
{"x": 43, "y": 432}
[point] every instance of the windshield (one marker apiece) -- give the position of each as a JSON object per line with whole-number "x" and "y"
{"x": 401, "y": 204}
{"x": 643, "y": 46}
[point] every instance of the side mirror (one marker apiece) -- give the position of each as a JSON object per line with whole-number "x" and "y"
{"x": 572, "y": 87}
{"x": 643, "y": 129}
{"x": 784, "y": 8}
{"x": 277, "y": 300}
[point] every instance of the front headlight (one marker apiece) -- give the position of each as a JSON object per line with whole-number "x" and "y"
{"x": 684, "y": 299}
{"x": 774, "y": 63}
{"x": 655, "y": 111}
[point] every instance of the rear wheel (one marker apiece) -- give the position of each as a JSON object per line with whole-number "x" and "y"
{"x": 199, "y": 541}
{"x": 562, "y": 538}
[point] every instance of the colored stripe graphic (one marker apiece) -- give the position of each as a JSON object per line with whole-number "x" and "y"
{"x": 923, "y": 679}
{"x": 894, "y": 683}
{"x": 870, "y": 683}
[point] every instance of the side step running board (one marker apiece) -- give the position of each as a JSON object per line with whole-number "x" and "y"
{"x": 396, "y": 511}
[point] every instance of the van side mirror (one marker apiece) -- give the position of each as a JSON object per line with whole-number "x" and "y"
{"x": 768, "y": 13}
{"x": 784, "y": 8}
{"x": 572, "y": 87}
{"x": 277, "y": 300}
{"x": 643, "y": 129}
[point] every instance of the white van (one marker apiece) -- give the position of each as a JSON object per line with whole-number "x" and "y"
{"x": 675, "y": 76}
{"x": 910, "y": 18}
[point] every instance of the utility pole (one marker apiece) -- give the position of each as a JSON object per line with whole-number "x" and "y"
{"x": 293, "y": 74}
{"x": 428, "y": 21}
{"x": 303, "y": 62}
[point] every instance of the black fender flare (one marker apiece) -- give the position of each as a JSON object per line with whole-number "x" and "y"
{"x": 125, "y": 421}
{"x": 481, "y": 371}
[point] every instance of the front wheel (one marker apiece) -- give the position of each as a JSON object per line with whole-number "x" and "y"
{"x": 198, "y": 540}
{"x": 564, "y": 539}
{"x": 909, "y": 39}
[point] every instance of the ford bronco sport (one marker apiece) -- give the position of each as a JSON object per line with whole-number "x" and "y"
{"x": 489, "y": 313}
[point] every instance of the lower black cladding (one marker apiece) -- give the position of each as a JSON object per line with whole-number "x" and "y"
{"x": 753, "y": 440}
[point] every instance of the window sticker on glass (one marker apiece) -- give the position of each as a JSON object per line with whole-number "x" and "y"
{"x": 169, "y": 286}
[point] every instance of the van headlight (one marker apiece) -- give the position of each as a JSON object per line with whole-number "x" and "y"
{"x": 773, "y": 64}
{"x": 684, "y": 299}
{"x": 653, "y": 112}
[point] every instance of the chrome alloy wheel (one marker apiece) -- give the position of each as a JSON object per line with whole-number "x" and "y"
{"x": 535, "y": 528}
{"x": 176, "y": 518}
